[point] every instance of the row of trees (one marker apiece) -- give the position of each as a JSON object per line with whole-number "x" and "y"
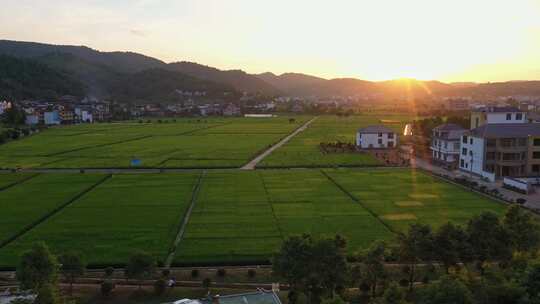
{"x": 476, "y": 263}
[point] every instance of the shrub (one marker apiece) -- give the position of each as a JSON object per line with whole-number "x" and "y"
{"x": 206, "y": 283}
{"x": 109, "y": 272}
{"x": 251, "y": 273}
{"x": 403, "y": 282}
{"x": 165, "y": 273}
{"x": 107, "y": 287}
{"x": 194, "y": 273}
{"x": 160, "y": 286}
{"x": 521, "y": 201}
{"x": 221, "y": 272}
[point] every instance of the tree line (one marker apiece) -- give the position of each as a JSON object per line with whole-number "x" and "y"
{"x": 488, "y": 260}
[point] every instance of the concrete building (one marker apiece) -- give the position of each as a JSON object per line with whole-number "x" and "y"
{"x": 231, "y": 110}
{"x": 51, "y": 118}
{"x": 497, "y": 115}
{"x": 376, "y": 137}
{"x": 499, "y": 150}
{"x": 445, "y": 145}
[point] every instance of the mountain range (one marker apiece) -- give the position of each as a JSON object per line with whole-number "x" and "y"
{"x": 128, "y": 76}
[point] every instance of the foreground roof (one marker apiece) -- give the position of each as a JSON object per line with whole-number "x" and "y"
{"x": 376, "y": 129}
{"x": 258, "y": 297}
{"x": 506, "y": 130}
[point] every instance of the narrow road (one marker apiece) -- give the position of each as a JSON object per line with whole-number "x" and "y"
{"x": 253, "y": 163}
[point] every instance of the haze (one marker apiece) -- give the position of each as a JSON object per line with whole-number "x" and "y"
{"x": 458, "y": 40}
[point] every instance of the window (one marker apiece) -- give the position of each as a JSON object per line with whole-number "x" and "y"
{"x": 535, "y": 168}
{"x": 464, "y": 151}
{"x": 537, "y": 141}
{"x": 380, "y": 141}
{"x": 522, "y": 142}
{"x": 464, "y": 139}
{"x": 491, "y": 142}
{"x": 519, "y": 116}
{"x": 446, "y": 145}
{"x": 477, "y": 122}
{"x": 471, "y": 141}
{"x": 380, "y": 134}
{"x": 470, "y": 153}
{"x": 536, "y": 155}
{"x": 489, "y": 168}
{"x": 509, "y": 116}
{"x": 390, "y": 143}
{"x": 456, "y": 146}
{"x": 462, "y": 163}
{"x": 511, "y": 156}
{"x": 390, "y": 135}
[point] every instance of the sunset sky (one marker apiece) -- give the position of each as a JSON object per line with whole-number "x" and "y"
{"x": 454, "y": 40}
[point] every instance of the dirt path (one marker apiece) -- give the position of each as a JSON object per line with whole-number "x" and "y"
{"x": 253, "y": 163}
{"x": 185, "y": 220}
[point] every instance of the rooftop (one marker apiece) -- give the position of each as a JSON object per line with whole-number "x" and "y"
{"x": 449, "y": 127}
{"x": 506, "y": 130}
{"x": 375, "y": 129}
{"x": 497, "y": 109}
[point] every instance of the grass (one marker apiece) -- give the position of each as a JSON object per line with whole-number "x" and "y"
{"x": 400, "y": 197}
{"x": 303, "y": 150}
{"x": 240, "y": 217}
{"x": 124, "y": 214}
{"x": 244, "y": 216}
{"x": 186, "y": 143}
{"x": 26, "y": 203}
{"x": 8, "y": 179}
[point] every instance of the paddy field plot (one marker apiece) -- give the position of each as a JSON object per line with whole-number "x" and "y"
{"x": 400, "y": 197}
{"x": 186, "y": 143}
{"x": 124, "y": 214}
{"x": 24, "y": 205}
{"x": 303, "y": 150}
{"x": 9, "y": 179}
{"x": 244, "y": 216}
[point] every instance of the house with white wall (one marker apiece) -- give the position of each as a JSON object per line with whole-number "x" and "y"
{"x": 445, "y": 144}
{"x": 497, "y": 115}
{"x": 376, "y": 137}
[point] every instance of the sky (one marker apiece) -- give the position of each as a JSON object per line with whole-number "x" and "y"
{"x": 450, "y": 40}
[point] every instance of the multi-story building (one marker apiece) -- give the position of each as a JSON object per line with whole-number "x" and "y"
{"x": 445, "y": 144}
{"x": 376, "y": 137}
{"x": 498, "y": 150}
{"x": 497, "y": 115}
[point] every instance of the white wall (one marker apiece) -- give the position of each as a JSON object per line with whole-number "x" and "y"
{"x": 500, "y": 118}
{"x": 371, "y": 140}
{"x": 477, "y": 159}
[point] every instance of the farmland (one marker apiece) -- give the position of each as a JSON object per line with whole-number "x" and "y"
{"x": 303, "y": 150}
{"x": 238, "y": 216}
{"x": 125, "y": 213}
{"x": 182, "y": 143}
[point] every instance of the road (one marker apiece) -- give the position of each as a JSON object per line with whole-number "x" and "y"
{"x": 253, "y": 163}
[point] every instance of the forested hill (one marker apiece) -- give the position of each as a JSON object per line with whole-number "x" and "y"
{"x": 25, "y": 78}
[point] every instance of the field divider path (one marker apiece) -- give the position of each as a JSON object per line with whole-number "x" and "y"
{"x": 350, "y": 195}
{"x": 185, "y": 220}
{"x": 269, "y": 200}
{"x": 45, "y": 217}
{"x": 100, "y": 145}
{"x": 253, "y": 163}
{"x": 15, "y": 183}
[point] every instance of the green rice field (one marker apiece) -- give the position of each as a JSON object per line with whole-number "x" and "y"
{"x": 238, "y": 217}
{"x": 303, "y": 150}
{"x": 179, "y": 143}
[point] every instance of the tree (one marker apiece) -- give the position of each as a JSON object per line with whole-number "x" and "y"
{"x": 141, "y": 266}
{"x": 523, "y": 231}
{"x": 415, "y": 246}
{"x": 72, "y": 267}
{"x": 47, "y": 295}
{"x": 393, "y": 295}
{"x": 313, "y": 267}
{"x": 37, "y": 267}
{"x": 448, "y": 290}
{"x": 488, "y": 239}
{"x": 14, "y": 116}
{"x": 532, "y": 283}
{"x": 372, "y": 269}
{"x": 450, "y": 244}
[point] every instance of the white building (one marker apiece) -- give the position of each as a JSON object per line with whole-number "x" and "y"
{"x": 497, "y": 115}
{"x": 445, "y": 144}
{"x": 376, "y": 137}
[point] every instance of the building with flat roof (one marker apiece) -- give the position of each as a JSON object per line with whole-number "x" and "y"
{"x": 497, "y": 115}
{"x": 376, "y": 137}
